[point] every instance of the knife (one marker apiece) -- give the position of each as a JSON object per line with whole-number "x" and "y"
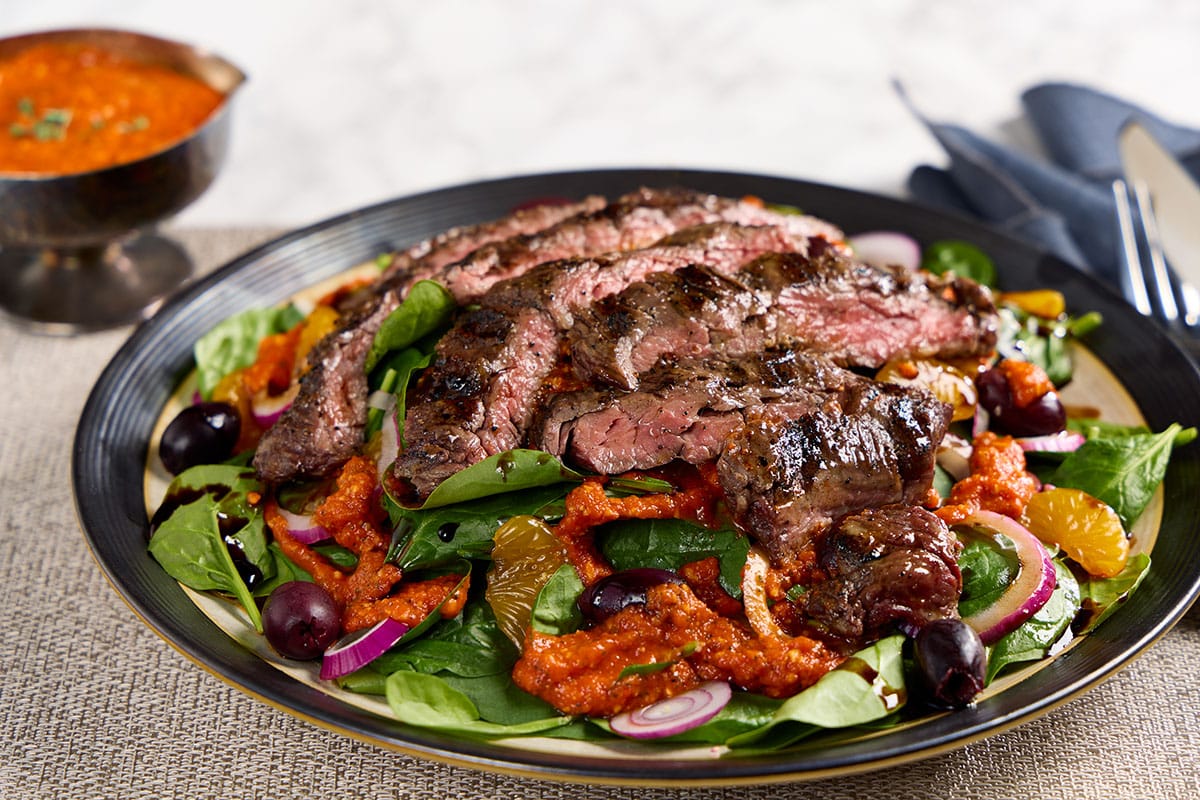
{"x": 1176, "y": 199}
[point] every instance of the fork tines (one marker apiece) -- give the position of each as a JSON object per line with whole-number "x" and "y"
{"x": 1140, "y": 243}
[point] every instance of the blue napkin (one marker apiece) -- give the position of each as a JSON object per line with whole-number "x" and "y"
{"x": 1063, "y": 204}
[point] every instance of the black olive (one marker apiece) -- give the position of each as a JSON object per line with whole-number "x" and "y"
{"x": 951, "y": 661}
{"x": 609, "y": 595}
{"x": 204, "y": 433}
{"x": 1044, "y": 416}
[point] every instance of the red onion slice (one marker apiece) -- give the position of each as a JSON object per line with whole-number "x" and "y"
{"x": 1028, "y": 592}
{"x": 267, "y": 409}
{"x": 675, "y": 714}
{"x": 1061, "y": 442}
{"x": 754, "y": 595}
{"x": 886, "y": 248}
{"x": 361, "y": 648}
{"x": 389, "y": 444}
{"x": 302, "y": 528}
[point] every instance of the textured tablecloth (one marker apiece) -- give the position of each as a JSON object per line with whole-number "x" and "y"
{"x": 93, "y": 704}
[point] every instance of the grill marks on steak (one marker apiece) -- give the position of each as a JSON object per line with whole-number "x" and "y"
{"x": 480, "y": 394}
{"x": 787, "y": 476}
{"x": 820, "y": 301}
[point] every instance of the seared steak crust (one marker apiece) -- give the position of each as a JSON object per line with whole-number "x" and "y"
{"x": 788, "y": 477}
{"x": 895, "y": 565}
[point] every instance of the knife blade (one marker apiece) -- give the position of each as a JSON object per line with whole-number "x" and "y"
{"x": 1176, "y": 199}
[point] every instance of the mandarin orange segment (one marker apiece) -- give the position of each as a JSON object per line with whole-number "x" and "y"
{"x": 1086, "y": 529}
{"x": 525, "y": 554}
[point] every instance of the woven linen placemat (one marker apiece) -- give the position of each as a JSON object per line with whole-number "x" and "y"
{"x": 94, "y": 705}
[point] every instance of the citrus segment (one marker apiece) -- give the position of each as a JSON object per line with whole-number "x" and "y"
{"x": 1083, "y": 527}
{"x": 525, "y": 554}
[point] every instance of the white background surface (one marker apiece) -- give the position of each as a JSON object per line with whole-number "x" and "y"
{"x": 358, "y": 101}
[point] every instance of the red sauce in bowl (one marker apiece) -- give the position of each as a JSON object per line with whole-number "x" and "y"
{"x": 70, "y": 107}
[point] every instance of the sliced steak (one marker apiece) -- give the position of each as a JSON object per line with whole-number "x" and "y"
{"x": 324, "y": 425}
{"x": 787, "y": 478}
{"x": 480, "y": 394}
{"x": 682, "y": 410}
{"x": 820, "y": 301}
{"x": 634, "y": 221}
{"x": 895, "y": 565}
{"x": 425, "y": 259}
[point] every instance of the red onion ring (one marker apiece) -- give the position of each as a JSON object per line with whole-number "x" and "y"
{"x": 674, "y": 714}
{"x": 361, "y": 648}
{"x": 267, "y": 409}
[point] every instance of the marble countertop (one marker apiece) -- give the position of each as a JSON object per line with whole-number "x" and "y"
{"x": 355, "y": 102}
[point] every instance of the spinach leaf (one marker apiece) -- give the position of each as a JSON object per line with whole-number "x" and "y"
{"x": 671, "y": 543}
{"x": 285, "y": 570}
{"x": 1100, "y": 597}
{"x": 510, "y": 471}
{"x": 555, "y": 611}
{"x": 192, "y": 549}
{"x": 430, "y": 701}
{"x": 426, "y": 309}
{"x": 428, "y": 538}
{"x": 867, "y": 687}
{"x": 1034, "y": 639}
{"x": 1026, "y": 337}
{"x": 233, "y": 343}
{"x": 1121, "y": 471}
{"x": 961, "y": 258}
{"x": 988, "y": 564}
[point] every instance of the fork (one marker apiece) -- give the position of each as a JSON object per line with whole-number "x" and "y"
{"x": 1175, "y": 303}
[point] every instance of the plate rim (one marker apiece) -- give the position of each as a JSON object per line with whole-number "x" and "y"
{"x": 471, "y": 753}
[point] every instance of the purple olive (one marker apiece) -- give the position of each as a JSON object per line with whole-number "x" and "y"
{"x": 301, "y": 620}
{"x": 204, "y": 433}
{"x": 952, "y": 662}
{"x": 609, "y": 595}
{"x": 1042, "y": 417}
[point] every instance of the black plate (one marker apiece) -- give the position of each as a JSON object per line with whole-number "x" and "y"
{"x": 114, "y": 432}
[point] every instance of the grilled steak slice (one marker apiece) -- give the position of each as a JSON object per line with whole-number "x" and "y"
{"x": 786, "y": 478}
{"x": 480, "y": 394}
{"x": 634, "y": 221}
{"x": 425, "y": 259}
{"x": 821, "y": 301}
{"x": 683, "y": 410}
{"x": 324, "y": 425}
{"x": 895, "y": 565}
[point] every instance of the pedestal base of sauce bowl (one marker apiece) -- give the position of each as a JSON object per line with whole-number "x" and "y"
{"x": 76, "y": 290}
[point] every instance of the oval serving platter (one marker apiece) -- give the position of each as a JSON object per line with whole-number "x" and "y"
{"x": 116, "y": 428}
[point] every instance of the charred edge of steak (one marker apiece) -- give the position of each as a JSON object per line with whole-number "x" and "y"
{"x": 684, "y": 410}
{"x": 786, "y": 478}
{"x": 896, "y": 565}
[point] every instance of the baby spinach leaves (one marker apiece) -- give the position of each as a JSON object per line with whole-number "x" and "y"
{"x": 233, "y": 343}
{"x": 1038, "y": 634}
{"x": 671, "y": 543}
{"x": 427, "y": 309}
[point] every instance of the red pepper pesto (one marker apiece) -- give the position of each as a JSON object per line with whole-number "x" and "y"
{"x": 374, "y": 590}
{"x": 580, "y": 673}
{"x": 998, "y": 481}
{"x": 69, "y": 107}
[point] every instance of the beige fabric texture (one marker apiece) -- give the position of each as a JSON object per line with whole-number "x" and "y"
{"x": 94, "y": 705}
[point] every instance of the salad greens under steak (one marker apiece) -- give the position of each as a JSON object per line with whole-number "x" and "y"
{"x": 454, "y": 674}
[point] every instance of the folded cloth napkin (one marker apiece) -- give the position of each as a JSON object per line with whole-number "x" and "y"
{"x": 1064, "y": 204}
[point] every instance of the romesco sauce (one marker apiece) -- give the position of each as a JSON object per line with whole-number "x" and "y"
{"x": 72, "y": 107}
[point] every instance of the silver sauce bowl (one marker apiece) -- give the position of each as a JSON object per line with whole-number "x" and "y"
{"x": 77, "y": 251}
